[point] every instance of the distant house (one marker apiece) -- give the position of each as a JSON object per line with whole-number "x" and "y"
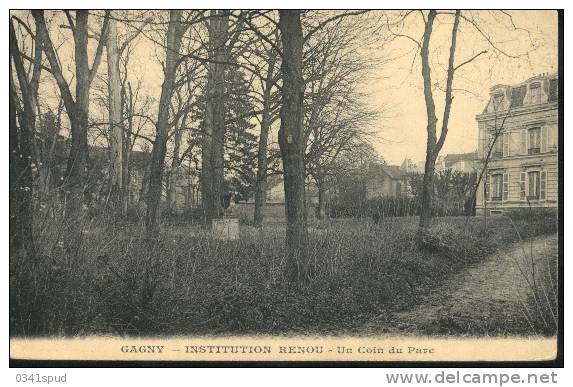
{"x": 186, "y": 192}
{"x": 276, "y": 192}
{"x": 186, "y": 185}
{"x": 386, "y": 181}
{"x": 522, "y": 170}
{"x": 462, "y": 162}
{"x": 408, "y": 166}
{"x": 440, "y": 165}
{"x": 138, "y": 162}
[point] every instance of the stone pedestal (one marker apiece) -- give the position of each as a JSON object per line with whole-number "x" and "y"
{"x": 225, "y": 228}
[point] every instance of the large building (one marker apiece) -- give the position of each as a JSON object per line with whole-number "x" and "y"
{"x": 519, "y": 130}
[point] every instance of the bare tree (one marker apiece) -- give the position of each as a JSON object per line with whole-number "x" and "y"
{"x": 495, "y": 132}
{"x": 266, "y": 93}
{"x": 115, "y": 118}
{"x": 22, "y": 119}
{"x": 78, "y": 108}
{"x": 434, "y": 142}
{"x": 213, "y": 133}
{"x": 337, "y": 117}
{"x": 291, "y": 141}
{"x": 175, "y": 33}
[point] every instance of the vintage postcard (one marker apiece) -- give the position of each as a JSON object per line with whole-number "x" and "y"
{"x": 286, "y": 185}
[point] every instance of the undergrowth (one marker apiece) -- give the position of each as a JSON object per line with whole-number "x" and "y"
{"x": 117, "y": 281}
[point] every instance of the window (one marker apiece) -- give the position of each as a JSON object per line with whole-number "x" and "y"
{"x": 517, "y": 95}
{"x": 535, "y": 93}
{"x": 505, "y": 145}
{"x": 553, "y": 90}
{"x": 534, "y": 136}
{"x": 497, "y": 151}
{"x": 501, "y": 146}
{"x": 496, "y": 186}
{"x": 398, "y": 189}
{"x": 498, "y": 101}
{"x": 505, "y": 186}
{"x": 533, "y": 186}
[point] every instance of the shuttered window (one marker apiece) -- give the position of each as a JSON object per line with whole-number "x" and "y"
{"x": 542, "y": 185}
{"x": 497, "y": 146}
{"x": 505, "y": 144}
{"x": 505, "y": 186}
{"x": 486, "y": 188}
{"x": 534, "y": 139}
{"x": 533, "y": 184}
{"x": 544, "y": 132}
{"x": 535, "y": 93}
{"x": 522, "y": 185}
{"x": 496, "y": 187}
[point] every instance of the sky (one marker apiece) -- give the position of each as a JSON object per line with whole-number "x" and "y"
{"x": 528, "y": 39}
{"x": 403, "y": 132}
{"x": 397, "y": 84}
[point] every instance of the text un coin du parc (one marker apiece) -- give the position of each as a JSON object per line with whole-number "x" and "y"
{"x": 281, "y": 349}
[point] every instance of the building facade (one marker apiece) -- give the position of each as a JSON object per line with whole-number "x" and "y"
{"x": 518, "y": 144}
{"x": 386, "y": 181}
{"x": 461, "y": 162}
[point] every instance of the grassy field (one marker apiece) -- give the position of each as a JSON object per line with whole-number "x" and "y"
{"x": 114, "y": 281}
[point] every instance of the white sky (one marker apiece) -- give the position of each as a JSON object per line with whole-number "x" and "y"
{"x": 398, "y": 87}
{"x": 404, "y": 131}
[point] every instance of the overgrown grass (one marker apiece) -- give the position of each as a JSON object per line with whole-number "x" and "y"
{"x": 115, "y": 281}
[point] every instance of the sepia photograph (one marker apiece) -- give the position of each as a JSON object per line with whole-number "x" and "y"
{"x": 286, "y": 185}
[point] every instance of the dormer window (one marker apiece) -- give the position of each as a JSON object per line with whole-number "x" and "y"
{"x": 498, "y": 101}
{"x": 553, "y": 90}
{"x": 535, "y": 92}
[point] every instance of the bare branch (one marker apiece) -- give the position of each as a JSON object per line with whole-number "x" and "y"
{"x": 70, "y": 21}
{"x": 330, "y": 20}
{"x": 470, "y": 60}
{"x": 99, "y": 49}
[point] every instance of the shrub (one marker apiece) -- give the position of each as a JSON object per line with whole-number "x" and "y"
{"x": 117, "y": 281}
{"x": 383, "y": 207}
{"x": 453, "y": 243}
{"x": 541, "y": 307}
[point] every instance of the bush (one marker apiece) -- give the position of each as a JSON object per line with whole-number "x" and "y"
{"x": 450, "y": 241}
{"x": 381, "y": 208}
{"x": 534, "y": 221}
{"x": 541, "y": 308}
{"x": 117, "y": 281}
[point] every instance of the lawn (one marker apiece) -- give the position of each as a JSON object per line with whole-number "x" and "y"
{"x": 118, "y": 282}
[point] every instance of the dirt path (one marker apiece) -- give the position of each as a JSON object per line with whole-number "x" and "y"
{"x": 470, "y": 296}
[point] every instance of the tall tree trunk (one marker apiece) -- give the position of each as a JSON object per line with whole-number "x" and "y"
{"x": 21, "y": 126}
{"x": 175, "y": 162}
{"x": 433, "y": 144}
{"x": 115, "y": 119}
{"x": 261, "y": 183}
{"x": 428, "y": 180}
{"x": 127, "y": 106}
{"x": 78, "y": 110}
{"x": 77, "y": 168}
{"x": 262, "y": 164}
{"x": 291, "y": 142}
{"x": 213, "y": 135}
{"x": 153, "y": 197}
{"x": 321, "y": 202}
{"x": 266, "y": 120}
